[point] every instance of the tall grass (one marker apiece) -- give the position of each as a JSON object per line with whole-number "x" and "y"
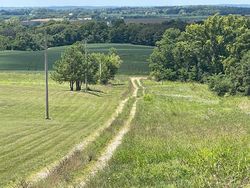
{"x": 183, "y": 136}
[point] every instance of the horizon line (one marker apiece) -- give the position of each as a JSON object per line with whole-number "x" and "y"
{"x": 120, "y": 6}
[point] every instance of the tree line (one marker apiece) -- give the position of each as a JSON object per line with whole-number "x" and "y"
{"x": 216, "y": 52}
{"x": 15, "y": 36}
{"x": 77, "y": 67}
{"x": 103, "y": 13}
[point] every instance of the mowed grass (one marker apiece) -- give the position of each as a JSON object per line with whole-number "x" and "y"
{"x": 134, "y": 58}
{"x": 80, "y": 164}
{"x": 183, "y": 136}
{"x": 28, "y": 142}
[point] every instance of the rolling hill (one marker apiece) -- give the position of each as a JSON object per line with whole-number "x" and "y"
{"x": 134, "y": 58}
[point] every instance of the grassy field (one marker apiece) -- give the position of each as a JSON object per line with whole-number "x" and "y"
{"x": 134, "y": 58}
{"x": 80, "y": 164}
{"x": 183, "y": 136}
{"x": 29, "y": 143}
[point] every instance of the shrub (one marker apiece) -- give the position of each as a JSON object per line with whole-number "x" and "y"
{"x": 148, "y": 97}
{"x": 220, "y": 84}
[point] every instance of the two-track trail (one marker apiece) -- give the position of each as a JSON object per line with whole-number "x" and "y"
{"x": 47, "y": 171}
{"x": 108, "y": 150}
{"x": 102, "y": 161}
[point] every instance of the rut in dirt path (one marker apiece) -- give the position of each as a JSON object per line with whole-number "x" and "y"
{"x": 116, "y": 141}
{"x": 47, "y": 171}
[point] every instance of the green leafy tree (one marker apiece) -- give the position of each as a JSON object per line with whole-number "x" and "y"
{"x": 72, "y": 67}
{"x": 108, "y": 65}
{"x": 213, "y": 49}
{"x": 245, "y": 62}
{"x": 78, "y": 67}
{"x": 162, "y": 63}
{"x": 3, "y": 43}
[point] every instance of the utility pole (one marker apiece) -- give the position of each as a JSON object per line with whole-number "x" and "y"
{"x": 46, "y": 76}
{"x": 86, "y": 73}
{"x": 100, "y": 70}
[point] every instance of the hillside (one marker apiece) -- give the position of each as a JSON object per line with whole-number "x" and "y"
{"x": 134, "y": 58}
{"x": 182, "y": 136}
{"x": 28, "y": 142}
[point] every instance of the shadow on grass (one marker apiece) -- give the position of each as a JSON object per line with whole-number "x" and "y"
{"x": 118, "y": 84}
{"x": 94, "y": 92}
{"x": 90, "y": 91}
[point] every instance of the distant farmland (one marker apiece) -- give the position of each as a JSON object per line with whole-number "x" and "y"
{"x": 154, "y": 20}
{"x": 134, "y": 58}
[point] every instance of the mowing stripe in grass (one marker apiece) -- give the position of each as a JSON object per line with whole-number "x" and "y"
{"x": 46, "y": 172}
{"x": 28, "y": 142}
{"x": 75, "y": 166}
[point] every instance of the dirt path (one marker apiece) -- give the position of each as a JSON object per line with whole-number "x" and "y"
{"x": 116, "y": 141}
{"x": 44, "y": 173}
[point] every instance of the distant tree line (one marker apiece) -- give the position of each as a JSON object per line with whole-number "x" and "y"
{"x": 217, "y": 52}
{"x": 102, "y": 13}
{"x": 15, "y": 36}
{"x": 208, "y": 10}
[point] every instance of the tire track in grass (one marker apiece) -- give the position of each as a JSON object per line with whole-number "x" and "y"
{"x": 102, "y": 161}
{"x": 44, "y": 173}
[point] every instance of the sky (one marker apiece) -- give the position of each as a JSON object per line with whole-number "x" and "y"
{"x": 25, "y": 3}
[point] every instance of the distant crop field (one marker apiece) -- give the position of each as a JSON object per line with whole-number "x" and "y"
{"x": 28, "y": 142}
{"x": 183, "y": 136}
{"x": 134, "y": 58}
{"x": 145, "y": 20}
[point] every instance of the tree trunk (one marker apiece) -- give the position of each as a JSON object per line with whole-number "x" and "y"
{"x": 78, "y": 86}
{"x": 86, "y": 82}
{"x": 71, "y": 85}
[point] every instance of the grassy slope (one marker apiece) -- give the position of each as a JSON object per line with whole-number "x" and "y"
{"x": 28, "y": 142}
{"x": 80, "y": 164}
{"x": 134, "y": 58}
{"x": 183, "y": 136}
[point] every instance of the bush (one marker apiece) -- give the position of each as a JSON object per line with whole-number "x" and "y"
{"x": 221, "y": 84}
{"x": 148, "y": 98}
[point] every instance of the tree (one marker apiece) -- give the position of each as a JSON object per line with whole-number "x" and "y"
{"x": 214, "y": 48}
{"x": 245, "y": 63}
{"x": 77, "y": 67}
{"x": 108, "y": 65}
{"x": 72, "y": 66}
{"x": 161, "y": 62}
{"x": 3, "y": 43}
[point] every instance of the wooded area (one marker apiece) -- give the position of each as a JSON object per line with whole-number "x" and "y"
{"x": 216, "y": 52}
{"x": 15, "y": 36}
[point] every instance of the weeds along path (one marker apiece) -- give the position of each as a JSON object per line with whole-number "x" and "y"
{"x": 47, "y": 171}
{"x": 116, "y": 141}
